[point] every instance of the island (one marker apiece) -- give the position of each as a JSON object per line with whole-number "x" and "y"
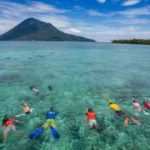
{"x": 133, "y": 41}
{"x": 33, "y": 29}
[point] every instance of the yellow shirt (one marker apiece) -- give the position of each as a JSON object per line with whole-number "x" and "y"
{"x": 114, "y": 107}
{"x": 26, "y": 108}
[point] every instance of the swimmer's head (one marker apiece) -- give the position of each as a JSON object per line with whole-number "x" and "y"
{"x": 90, "y": 110}
{"x": 52, "y": 109}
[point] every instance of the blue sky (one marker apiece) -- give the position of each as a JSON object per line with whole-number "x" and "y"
{"x": 102, "y": 20}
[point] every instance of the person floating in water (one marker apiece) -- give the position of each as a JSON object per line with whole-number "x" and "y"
{"x": 26, "y": 109}
{"x": 49, "y": 89}
{"x": 8, "y": 125}
{"x": 116, "y": 108}
{"x": 146, "y": 104}
{"x": 50, "y": 118}
{"x": 138, "y": 107}
{"x": 35, "y": 90}
{"x": 91, "y": 116}
{"x": 49, "y": 123}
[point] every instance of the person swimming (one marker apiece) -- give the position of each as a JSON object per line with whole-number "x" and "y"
{"x": 116, "y": 108}
{"x": 91, "y": 117}
{"x": 26, "y": 109}
{"x": 137, "y": 106}
{"x": 50, "y": 88}
{"x": 146, "y": 104}
{"x": 50, "y": 118}
{"x": 9, "y": 126}
{"x": 49, "y": 123}
{"x": 35, "y": 90}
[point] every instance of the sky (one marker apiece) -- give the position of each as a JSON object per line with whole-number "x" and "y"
{"x": 102, "y": 20}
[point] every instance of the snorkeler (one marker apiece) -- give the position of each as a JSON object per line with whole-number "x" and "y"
{"x": 26, "y": 109}
{"x": 35, "y": 90}
{"x": 50, "y": 118}
{"x": 137, "y": 106}
{"x": 8, "y": 125}
{"x": 120, "y": 113}
{"x": 49, "y": 89}
{"x": 49, "y": 123}
{"x": 147, "y": 104}
{"x": 91, "y": 116}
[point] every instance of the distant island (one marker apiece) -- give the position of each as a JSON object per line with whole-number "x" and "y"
{"x": 33, "y": 29}
{"x": 133, "y": 41}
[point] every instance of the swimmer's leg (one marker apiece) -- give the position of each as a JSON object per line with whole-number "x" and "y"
{"x": 146, "y": 113}
{"x": 126, "y": 121}
{"x": 36, "y": 133}
{"x": 137, "y": 122}
{"x": 20, "y": 115}
{"x": 5, "y": 135}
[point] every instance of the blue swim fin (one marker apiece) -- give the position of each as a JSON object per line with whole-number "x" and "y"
{"x": 55, "y": 133}
{"x": 36, "y": 133}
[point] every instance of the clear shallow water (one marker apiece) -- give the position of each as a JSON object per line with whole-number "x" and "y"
{"x": 82, "y": 75}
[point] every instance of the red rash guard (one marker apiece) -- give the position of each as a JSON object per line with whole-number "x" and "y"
{"x": 91, "y": 115}
{"x": 9, "y": 122}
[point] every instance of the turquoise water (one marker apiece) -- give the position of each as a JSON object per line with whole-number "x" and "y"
{"x": 82, "y": 75}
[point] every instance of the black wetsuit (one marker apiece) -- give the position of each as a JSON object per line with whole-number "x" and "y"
{"x": 50, "y": 88}
{"x": 120, "y": 113}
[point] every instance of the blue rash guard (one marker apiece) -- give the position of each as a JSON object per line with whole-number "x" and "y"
{"x": 51, "y": 115}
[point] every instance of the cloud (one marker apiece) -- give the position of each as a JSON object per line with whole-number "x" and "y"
{"x": 101, "y": 1}
{"x": 5, "y": 25}
{"x": 136, "y": 12}
{"x": 33, "y": 7}
{"x": 131, "y": 2}
{"x": 44, "y": 8}
{"x": 72, "y": 30}
{"x": 92, "y": 12}
{"x": 60, "y": 22}
{"x": 39, "y": 10}
{"x": 105, "y": 33}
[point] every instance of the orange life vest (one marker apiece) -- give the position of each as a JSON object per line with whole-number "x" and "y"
{"x": 91, "y": 115}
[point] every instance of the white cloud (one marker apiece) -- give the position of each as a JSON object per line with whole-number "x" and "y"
{"x": 60, "y": 22}
{"x": 101, "y": 1}
{"x": 5, "y": 25}
{"x": 37, "y": 10}
{"x": 44, "y": 8}
{"x": 131, "y": 2}
{"x": 136, "y": 12}
{"x": 34, "y": 7}
{"x": 72, "y": 30}
{"x": 92, "y": 12}
{"x": 105, "y": 33}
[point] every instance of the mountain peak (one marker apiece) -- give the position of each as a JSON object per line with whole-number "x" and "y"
{"x": 34, "y": 29}
{"x": 31, "y": 20}
{"x": 28, "y": 19}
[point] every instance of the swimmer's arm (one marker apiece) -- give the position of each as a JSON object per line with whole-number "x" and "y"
{"x": 18, "y": 121}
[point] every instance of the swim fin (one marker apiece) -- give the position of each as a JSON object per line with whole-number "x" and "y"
{"x": 146, "y": 113}
{"x": 55, "y": 133}
{"x": 36, "y": 133}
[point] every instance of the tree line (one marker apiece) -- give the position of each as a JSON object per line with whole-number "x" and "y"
{"x": 133, "y": 41}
